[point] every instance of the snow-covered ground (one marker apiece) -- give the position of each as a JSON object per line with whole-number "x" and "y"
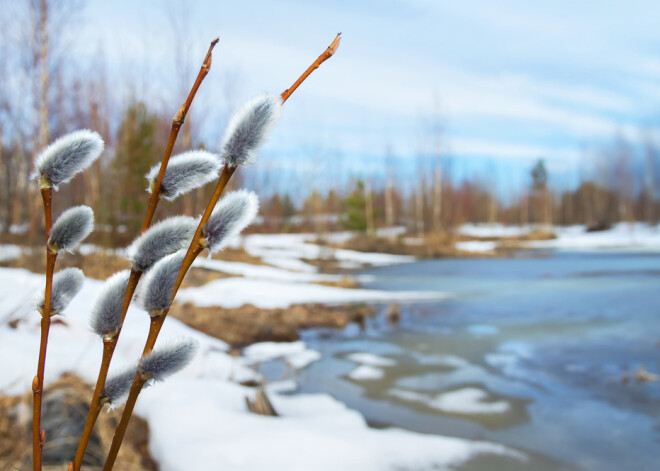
{"x": 622, "y": 236}
{"x": 198, "y": 419}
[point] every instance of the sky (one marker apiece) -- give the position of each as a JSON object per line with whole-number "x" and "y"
{"x": 494, "y": 85}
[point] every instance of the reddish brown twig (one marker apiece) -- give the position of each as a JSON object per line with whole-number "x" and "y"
{"x": 194, "y": 250}
{"x": 38, "y": 435}
{"x": 327, "y": 54}
{"x": 110, "y": 344}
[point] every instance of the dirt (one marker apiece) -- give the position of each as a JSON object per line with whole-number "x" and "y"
{"x": 440, "y": 245}
{"x": 99, "y": 265}
{"x": 68, "y": 400}
{"x": 240, "y": 327}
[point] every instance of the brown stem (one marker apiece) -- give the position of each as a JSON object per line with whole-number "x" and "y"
{"x": 38, "y": 435}
{"x": 327, "y": 54}
{"x": 194, "y": 250}
{"x": 136, "y": 387}
{"x": 134, "y": 278}
{"x": 177, "y": 122}
{"x": 95, "y": 406}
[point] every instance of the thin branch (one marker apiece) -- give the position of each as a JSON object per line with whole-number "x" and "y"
{"x": 110, "y": 344}
{"x": 327, "y": 54}
{"x": 38, "y": 435}
{"x": 194, "y": 250}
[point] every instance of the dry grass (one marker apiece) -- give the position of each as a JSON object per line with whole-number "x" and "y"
{"x": 248, "y": 324}
{"x": 15, "y": 431}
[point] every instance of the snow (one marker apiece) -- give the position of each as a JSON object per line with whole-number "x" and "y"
{"x": 476, "y": 246}
{"x": 622, "y": 236}
{"x": 236, "y": 292}
{"x": 494, "y": 230}
{"x": 370, "y": 359}
{"x": 469, "y": 401}
{"x": 9, "y": 252}
{"x": 366, "y": 372}
{"x": 286, "y": 247}
{"x": 198, "y": 419}
{"x": 296, "y": 354}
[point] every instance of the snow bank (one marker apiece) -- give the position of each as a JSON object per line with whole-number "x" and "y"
{"x": 198, "y": 419}
{"x": 494, "y": 230}
{"x": 622, "y": 236}
{"x": 236, "y": 292}
{"x": 285, "y": 248}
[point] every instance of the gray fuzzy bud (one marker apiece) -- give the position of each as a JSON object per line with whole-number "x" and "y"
{"x": 232, "y": 214}
{"x": 65, "y": 157}
{"x": 160, "y": 240}
{"x": 156, "y": 288}
{"x": 106, "y": 314}
{"x": 167, "y": 360}
{"x": 71, "y": 228}
{"x": 66, "y": 284}
{"x": 249, "y": 128}
{"x": 184, "y": 173}
{"x": 116, "y": 388}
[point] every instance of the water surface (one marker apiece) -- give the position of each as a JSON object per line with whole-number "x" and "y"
{"x": 529, "y": 352}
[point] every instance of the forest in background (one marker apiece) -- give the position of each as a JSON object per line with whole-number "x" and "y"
{"x": 47, "y": 92}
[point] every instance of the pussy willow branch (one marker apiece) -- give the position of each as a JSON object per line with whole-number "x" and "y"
{"x": 194, "y": 250}
{"x": 110, "y": 344}
{"x": 38, "y": 435}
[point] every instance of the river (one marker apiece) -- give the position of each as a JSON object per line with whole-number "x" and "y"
{"x": 535, "y": 352}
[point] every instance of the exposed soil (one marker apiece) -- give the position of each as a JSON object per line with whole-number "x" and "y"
{"x": 248, "y": 324}
{"x": 64, "y": 411}
{"x": 441, "y": 245}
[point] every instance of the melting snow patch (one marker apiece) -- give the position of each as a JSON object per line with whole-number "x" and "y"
{"x": 469, "y": 401}
{"x": 476, "y": 246}
{"x": 9, "y": 252}
{"x": 366, "y": 373}
{"x": 370, "y": 359}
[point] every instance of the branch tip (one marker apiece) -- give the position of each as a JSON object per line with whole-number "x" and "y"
{"x": 335, "y": 44}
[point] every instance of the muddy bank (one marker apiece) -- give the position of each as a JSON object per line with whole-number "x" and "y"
{"x": 248, "y": 324}
{"x": 65, "y": 407}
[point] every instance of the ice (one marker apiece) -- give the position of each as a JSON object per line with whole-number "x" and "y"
{"x": 366, "y": 372}
{"x": 370, "y": 359}
{"x": 469, "y": 401}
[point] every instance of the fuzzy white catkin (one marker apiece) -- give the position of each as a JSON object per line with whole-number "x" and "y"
{"x": 106, "y": 313}
{"x": 185, "y": 172}
{"x": 66, "y": 284}
{"x": 169, "y": 359}
{"x": 71, "y": 228}
{"x": 117, "y": 387}
{"x": 161, "y": 239}
{"x": 65, "y": 157}
{"x": 156, "y": 288}
{"x": 249, "y": 128}
{"x": 232, "y": 214}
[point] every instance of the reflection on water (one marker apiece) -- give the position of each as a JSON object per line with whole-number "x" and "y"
{"x": 530, "y": 353}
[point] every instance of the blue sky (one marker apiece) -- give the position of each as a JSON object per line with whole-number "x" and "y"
{"x": 509, "y": 81}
